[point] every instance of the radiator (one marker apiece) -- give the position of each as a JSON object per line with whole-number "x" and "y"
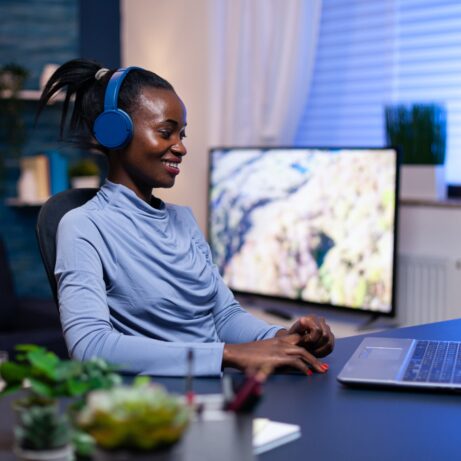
{"x": 428, "y": 289}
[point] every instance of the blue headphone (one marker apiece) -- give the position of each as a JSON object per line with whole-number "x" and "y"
{"x": 113, "y": 128}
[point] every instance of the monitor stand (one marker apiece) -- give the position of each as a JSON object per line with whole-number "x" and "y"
{"x": 342, "y": 323}
{"x": 368, "y": 324}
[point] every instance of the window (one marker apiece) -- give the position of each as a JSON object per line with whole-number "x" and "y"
{"x": 374, "y": 53}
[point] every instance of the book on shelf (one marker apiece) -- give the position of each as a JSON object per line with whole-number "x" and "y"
{"x": 58, "y": 164}
{"x": 34, "y": 181}
{"x": 42, "y": 175}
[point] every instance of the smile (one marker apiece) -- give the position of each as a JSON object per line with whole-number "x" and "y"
{"x": 172, "y": 167}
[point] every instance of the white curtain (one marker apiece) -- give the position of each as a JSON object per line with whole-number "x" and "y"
{"x": 262, "y": 59}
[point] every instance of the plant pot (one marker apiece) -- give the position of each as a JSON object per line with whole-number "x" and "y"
{"x": 58, "y": 454}
{"x": 423, "y": 182}
{"x": 122, "y": 455}
{"x": 79, "y": 182}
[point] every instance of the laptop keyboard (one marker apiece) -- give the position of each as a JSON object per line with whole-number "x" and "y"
{"x": 435, "y": 361}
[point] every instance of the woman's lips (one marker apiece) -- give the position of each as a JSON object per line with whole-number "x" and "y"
{"x": 171, "y": 167}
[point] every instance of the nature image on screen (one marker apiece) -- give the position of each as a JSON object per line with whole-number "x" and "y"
{"x": 315, "y": 225}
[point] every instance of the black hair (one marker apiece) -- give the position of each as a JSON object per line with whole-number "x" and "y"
{"x": 77, "y": 78}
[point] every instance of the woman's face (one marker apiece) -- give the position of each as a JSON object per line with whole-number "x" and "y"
{"x": 153, "y": 157}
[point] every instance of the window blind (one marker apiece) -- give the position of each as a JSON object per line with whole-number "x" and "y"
{"x": 374, "y": 53}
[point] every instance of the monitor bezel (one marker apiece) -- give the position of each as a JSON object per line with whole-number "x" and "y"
{"x": 301, "y": 303}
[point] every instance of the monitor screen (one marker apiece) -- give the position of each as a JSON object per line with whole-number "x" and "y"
{"x": 312, "y": 225}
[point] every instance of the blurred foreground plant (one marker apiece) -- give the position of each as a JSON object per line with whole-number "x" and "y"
{"x": 140, "y": 417}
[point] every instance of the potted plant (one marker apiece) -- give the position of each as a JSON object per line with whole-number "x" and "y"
{"x": 129, "y": 420}
{"x": 46, "y": 377}
{"x": 43, "y": 379}
{"x": 419, "y": 130}
{"x": 12, "y": 77}
{"x": 42, "y": 433}
{"x": 84, "y": 173}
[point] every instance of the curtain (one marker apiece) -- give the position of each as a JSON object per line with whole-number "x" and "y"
{"x": 261, "y": 64}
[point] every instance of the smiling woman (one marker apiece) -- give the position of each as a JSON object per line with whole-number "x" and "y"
{"x": 136, "y": 282}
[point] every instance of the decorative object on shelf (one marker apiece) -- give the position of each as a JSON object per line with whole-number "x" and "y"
{"x": 419, "y": 130}
{"x": 42, "y": 378}
{"x": 12, "y": 127}
{"x": 133, "y": 419}
{"x": 85, "y": 173}
{"x": 13, "y": 77}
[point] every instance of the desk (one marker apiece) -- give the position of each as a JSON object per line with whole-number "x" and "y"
{"x": 342, "y": 424}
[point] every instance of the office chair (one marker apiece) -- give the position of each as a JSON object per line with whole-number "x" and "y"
{"x": 48, "y": 219}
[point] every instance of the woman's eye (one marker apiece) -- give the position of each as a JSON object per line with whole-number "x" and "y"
{"x": 182, "y": 135}
{"x": 165, "y": 134}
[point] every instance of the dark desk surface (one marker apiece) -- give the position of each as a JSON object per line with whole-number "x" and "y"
{"x": 340, "y": 423}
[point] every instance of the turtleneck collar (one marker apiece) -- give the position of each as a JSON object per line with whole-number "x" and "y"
{"x": 120, "y": 196}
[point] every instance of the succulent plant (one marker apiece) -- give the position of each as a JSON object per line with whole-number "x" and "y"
{"x": 42, "y": 428}
{"x": 140, "y": 417}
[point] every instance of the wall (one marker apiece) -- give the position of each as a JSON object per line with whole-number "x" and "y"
{"x": 34, "y": 33}
{"x": 171, "y": 38}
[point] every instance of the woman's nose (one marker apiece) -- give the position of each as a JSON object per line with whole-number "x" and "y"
{"x": 179, "y": 148}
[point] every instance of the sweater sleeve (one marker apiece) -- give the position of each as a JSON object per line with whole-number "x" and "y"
{"x": 85, "y": 315}
{"x": 233, "y": 323}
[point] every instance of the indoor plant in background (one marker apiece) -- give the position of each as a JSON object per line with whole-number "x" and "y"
{"x": 44, "y": 381}
{"x": 419, "y": 130}
{"x": 84, "y": 173}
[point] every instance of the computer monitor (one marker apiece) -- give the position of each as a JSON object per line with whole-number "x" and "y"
{"x": 311, "y": 225}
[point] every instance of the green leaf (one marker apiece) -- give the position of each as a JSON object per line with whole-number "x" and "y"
{"x": 13, "y": 373}
{"x": 39, "y": 387}
{"x": 28, "y": 347}
{"x": 67, "y": 370}
{"x": 44, "y": 361}
{"x": 76, "y": 387}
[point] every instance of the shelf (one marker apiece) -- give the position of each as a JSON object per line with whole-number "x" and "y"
{"x": 17, "y": 202}
{"x": 434, "y": 203}
{"x": 30, "y": 95}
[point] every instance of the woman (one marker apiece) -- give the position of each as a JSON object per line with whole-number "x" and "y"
{"x": 136, "y": 283}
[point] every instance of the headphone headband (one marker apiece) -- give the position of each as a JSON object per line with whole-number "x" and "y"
{"x": 114, "y": 85}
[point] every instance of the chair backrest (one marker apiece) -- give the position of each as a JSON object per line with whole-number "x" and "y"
{"x": 48, "y": 219}
{"x": 9, "y": 301}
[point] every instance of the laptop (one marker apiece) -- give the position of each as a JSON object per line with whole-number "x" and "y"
{"x": 405, "y": 363}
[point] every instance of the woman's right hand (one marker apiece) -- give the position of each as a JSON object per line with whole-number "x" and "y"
{"x": 277, "y": 352}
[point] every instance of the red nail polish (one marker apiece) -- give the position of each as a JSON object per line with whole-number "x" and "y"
{"x": 309, "y": 373}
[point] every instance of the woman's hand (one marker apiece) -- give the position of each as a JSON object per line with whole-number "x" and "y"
{"x": 286, "y": 350}
{"x": 316, "y": 336}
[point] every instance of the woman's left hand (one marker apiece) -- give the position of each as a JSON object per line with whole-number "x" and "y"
{"x": 316, "y": 336}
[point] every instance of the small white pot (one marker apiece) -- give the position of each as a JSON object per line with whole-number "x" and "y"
{"x": 59, "y": 454}
{"x": 79, "y": 182}
{"x": 423, "y": 182}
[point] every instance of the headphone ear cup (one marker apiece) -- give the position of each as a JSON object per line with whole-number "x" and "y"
{"x": 113, "y": 128}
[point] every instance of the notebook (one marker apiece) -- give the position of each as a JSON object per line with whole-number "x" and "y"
{"x": 405, "y": 363}
{"x": 269, "y": 434}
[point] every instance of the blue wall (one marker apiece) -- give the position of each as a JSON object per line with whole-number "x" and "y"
{"x": 34, "y": 33}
